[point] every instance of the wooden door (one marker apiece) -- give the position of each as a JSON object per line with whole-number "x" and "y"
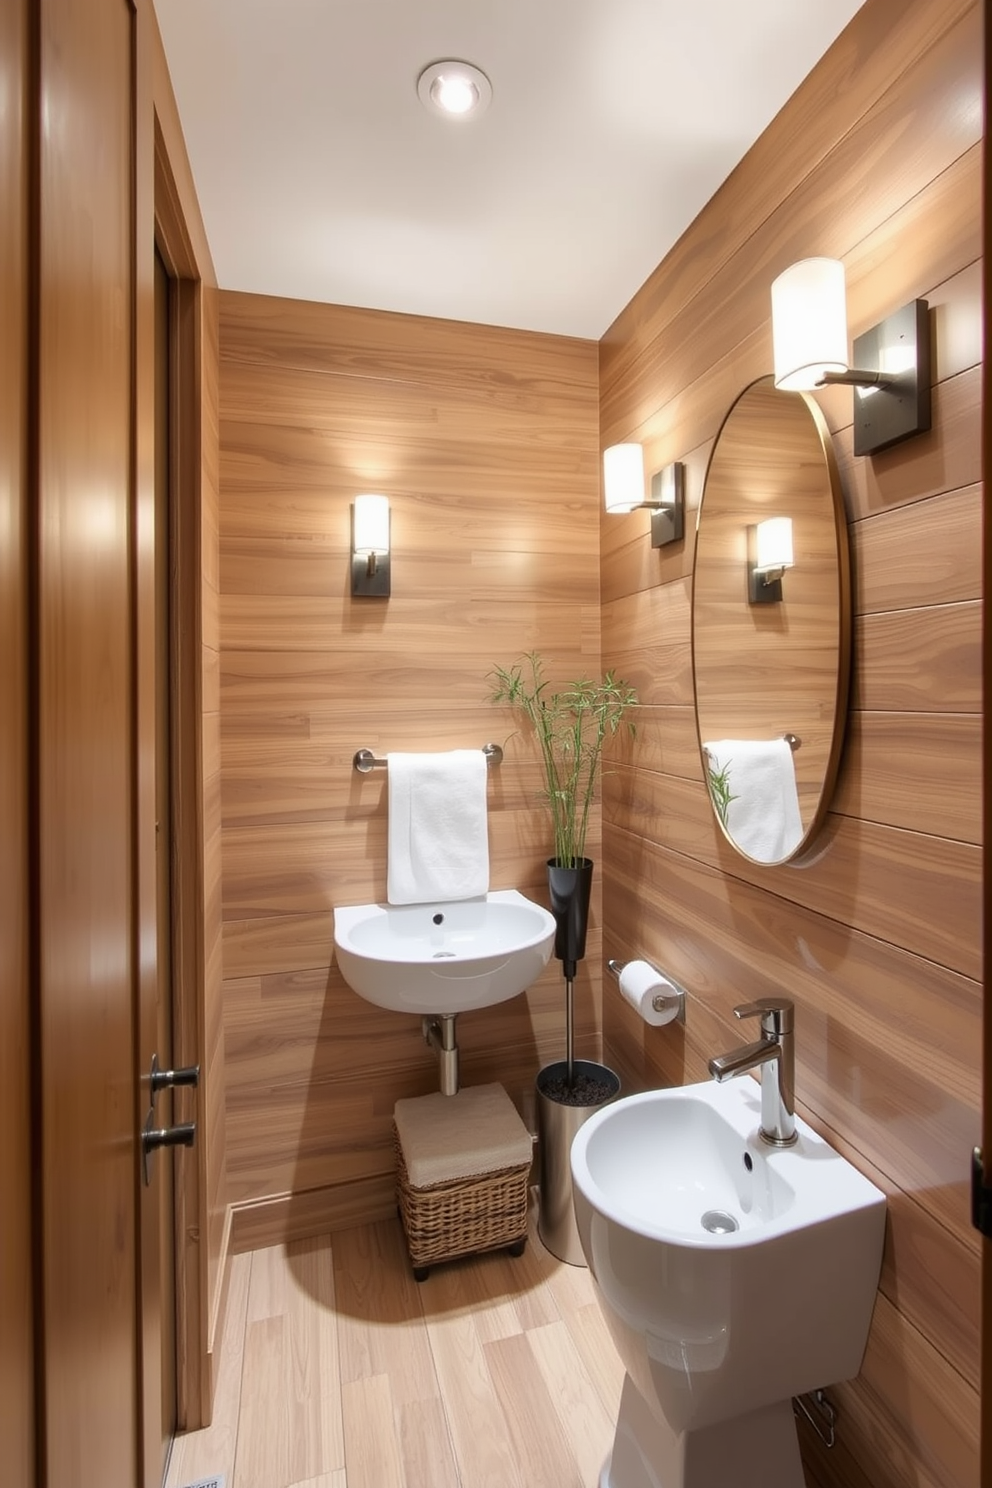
{"x": 84, "y": 802}
{"x": 16, "y": 1357}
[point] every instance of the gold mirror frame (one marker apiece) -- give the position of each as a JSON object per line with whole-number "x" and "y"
{"x": 768, "y": 671}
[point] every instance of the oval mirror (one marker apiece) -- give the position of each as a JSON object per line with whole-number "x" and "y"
{"x": 771, "y": 630}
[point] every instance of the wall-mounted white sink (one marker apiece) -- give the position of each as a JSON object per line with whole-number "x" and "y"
{"x": 443, "y": 958}
{"x": 732, "y": 1275}
{"x": 657, "y": 1163}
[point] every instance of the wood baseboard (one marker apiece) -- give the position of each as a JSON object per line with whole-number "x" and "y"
{"x": 215, "y": 1327}
{"x": 257, "y": 1223}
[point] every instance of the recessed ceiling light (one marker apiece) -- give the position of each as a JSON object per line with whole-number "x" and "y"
{"x": 456, "y": 89}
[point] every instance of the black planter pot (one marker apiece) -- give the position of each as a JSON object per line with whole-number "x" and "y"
{"x": 570, "y": 889}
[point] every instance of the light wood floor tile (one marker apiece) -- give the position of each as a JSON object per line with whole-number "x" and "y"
{"x": 201, "y": 1454}
{"x": 425, "y": 1446}
{"x": 372, "y": 1455}
{"x": 466, "y": 1288}
{"x": 588, "y": 1426}
{"x": 313, "y": 1337}
{"x": 479, "y": 1429}
{"x": 267, "y": 1292}
{"x": 338, "y": 1370}
{"x": 571, "y": 1286}
{"x": 543, "y": 1452}
{"x": 521, "y": 1282}
{"x": 380, "y": 1318}
{"x": 265, "y": 1435}
{"x": 337, "y": 1479}
{"x": 595, "y": 1346}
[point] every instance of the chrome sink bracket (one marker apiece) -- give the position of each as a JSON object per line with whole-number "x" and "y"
{"x": 822, "y": 1417}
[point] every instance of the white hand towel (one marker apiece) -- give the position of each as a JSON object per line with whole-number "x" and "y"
{"x": 438, "y": 827}
{"x": 763, "y": 818}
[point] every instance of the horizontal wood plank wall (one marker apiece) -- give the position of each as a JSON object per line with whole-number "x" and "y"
{"x": 486, "y": 442}
{"x": 876, "y": 160}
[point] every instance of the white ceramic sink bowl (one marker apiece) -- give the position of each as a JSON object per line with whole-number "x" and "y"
{"x": 443, "y": 958}
{"x": 732, "y": 1274}
{"x": 658, "y": 1163}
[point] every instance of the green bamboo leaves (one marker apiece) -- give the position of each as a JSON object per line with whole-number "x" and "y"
{"x": 571, "y": 726}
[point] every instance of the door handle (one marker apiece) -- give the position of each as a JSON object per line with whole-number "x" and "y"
{"x": 160, "y": 1079}
{"x": 180, "y": 1135}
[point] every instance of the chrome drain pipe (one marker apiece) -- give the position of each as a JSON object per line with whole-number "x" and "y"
{"x": 439, "y": 1032}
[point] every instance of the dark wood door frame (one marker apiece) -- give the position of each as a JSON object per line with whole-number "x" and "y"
{"x": 986, "y": 1361}
{"x": 173, "y": 243}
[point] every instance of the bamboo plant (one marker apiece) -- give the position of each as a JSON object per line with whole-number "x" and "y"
{"x": 571, "y": 725}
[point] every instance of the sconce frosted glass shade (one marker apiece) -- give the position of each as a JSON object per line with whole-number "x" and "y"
{"x": 623, "y": 477}
{"x": 773, "y": 544}
{"x": 809, "y": 323}
{"x": 371, "y": 525}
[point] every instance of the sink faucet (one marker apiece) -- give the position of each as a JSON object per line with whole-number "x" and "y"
{"x": 775, "y": 1054}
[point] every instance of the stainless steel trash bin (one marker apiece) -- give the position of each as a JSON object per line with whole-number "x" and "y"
{"x": 559, "y": 1116}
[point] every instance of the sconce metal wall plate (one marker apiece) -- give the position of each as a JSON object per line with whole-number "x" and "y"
{"x": 668, "y": 504}
{"x": 760, "y": 588}
{"x": 896, "y": 405}
{"x": 366, "y": 584}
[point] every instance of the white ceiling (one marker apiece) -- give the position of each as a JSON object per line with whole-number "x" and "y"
{"x": 321, "y": 176}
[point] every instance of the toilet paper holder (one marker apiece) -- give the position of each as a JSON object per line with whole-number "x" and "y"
{"x": 663, "y": 1000}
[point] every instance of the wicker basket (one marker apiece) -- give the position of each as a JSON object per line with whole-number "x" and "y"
{"x": 483, "y": 1212}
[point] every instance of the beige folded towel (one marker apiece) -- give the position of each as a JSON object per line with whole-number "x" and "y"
{"x": 445, "y": 1137}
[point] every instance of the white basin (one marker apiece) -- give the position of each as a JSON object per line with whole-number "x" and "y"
{"x": 732, "y": 1274}
{"x": 443, "y": 958}
{"x": 657, "y": 1163}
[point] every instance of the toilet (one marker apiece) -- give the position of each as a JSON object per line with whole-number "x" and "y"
{"x": 732, "y": 1277}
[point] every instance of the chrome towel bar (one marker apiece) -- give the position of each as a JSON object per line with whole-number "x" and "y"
{"x": 364, "y": 760}
{"x": 793, "y": 740}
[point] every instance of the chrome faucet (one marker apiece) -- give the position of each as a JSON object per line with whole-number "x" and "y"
{"x": 775, "y": 1054}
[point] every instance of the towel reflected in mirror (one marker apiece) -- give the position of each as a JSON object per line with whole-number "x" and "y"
{"x": 752, "y": 783}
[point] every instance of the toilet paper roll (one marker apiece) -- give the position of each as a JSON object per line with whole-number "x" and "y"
{"x": 641, "y": 983}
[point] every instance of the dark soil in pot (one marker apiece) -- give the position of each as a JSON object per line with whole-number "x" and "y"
{"x": 592, "y": 1084}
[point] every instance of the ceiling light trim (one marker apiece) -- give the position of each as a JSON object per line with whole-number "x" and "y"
{"x": 450, "y": 70}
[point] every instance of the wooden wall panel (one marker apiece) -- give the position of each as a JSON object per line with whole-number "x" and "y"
{"x": 863, "y": 179}
{"x": 877, "y": 935}
{"x": 868, "y": 58}
{"x": 485, "y": 441}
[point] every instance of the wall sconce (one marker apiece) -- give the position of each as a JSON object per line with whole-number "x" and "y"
{"x": 891, "y": 376}
{"x": 623, "y": 491}
{"x": 769, "y": 554}
{"x": 370, "y": 546}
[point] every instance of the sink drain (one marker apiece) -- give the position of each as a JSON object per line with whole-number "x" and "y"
{"x": 719, "y": 1222}
{"x": 443, "y": 956}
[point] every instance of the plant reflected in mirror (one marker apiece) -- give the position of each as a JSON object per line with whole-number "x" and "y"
{"x": 720, "y": 792}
